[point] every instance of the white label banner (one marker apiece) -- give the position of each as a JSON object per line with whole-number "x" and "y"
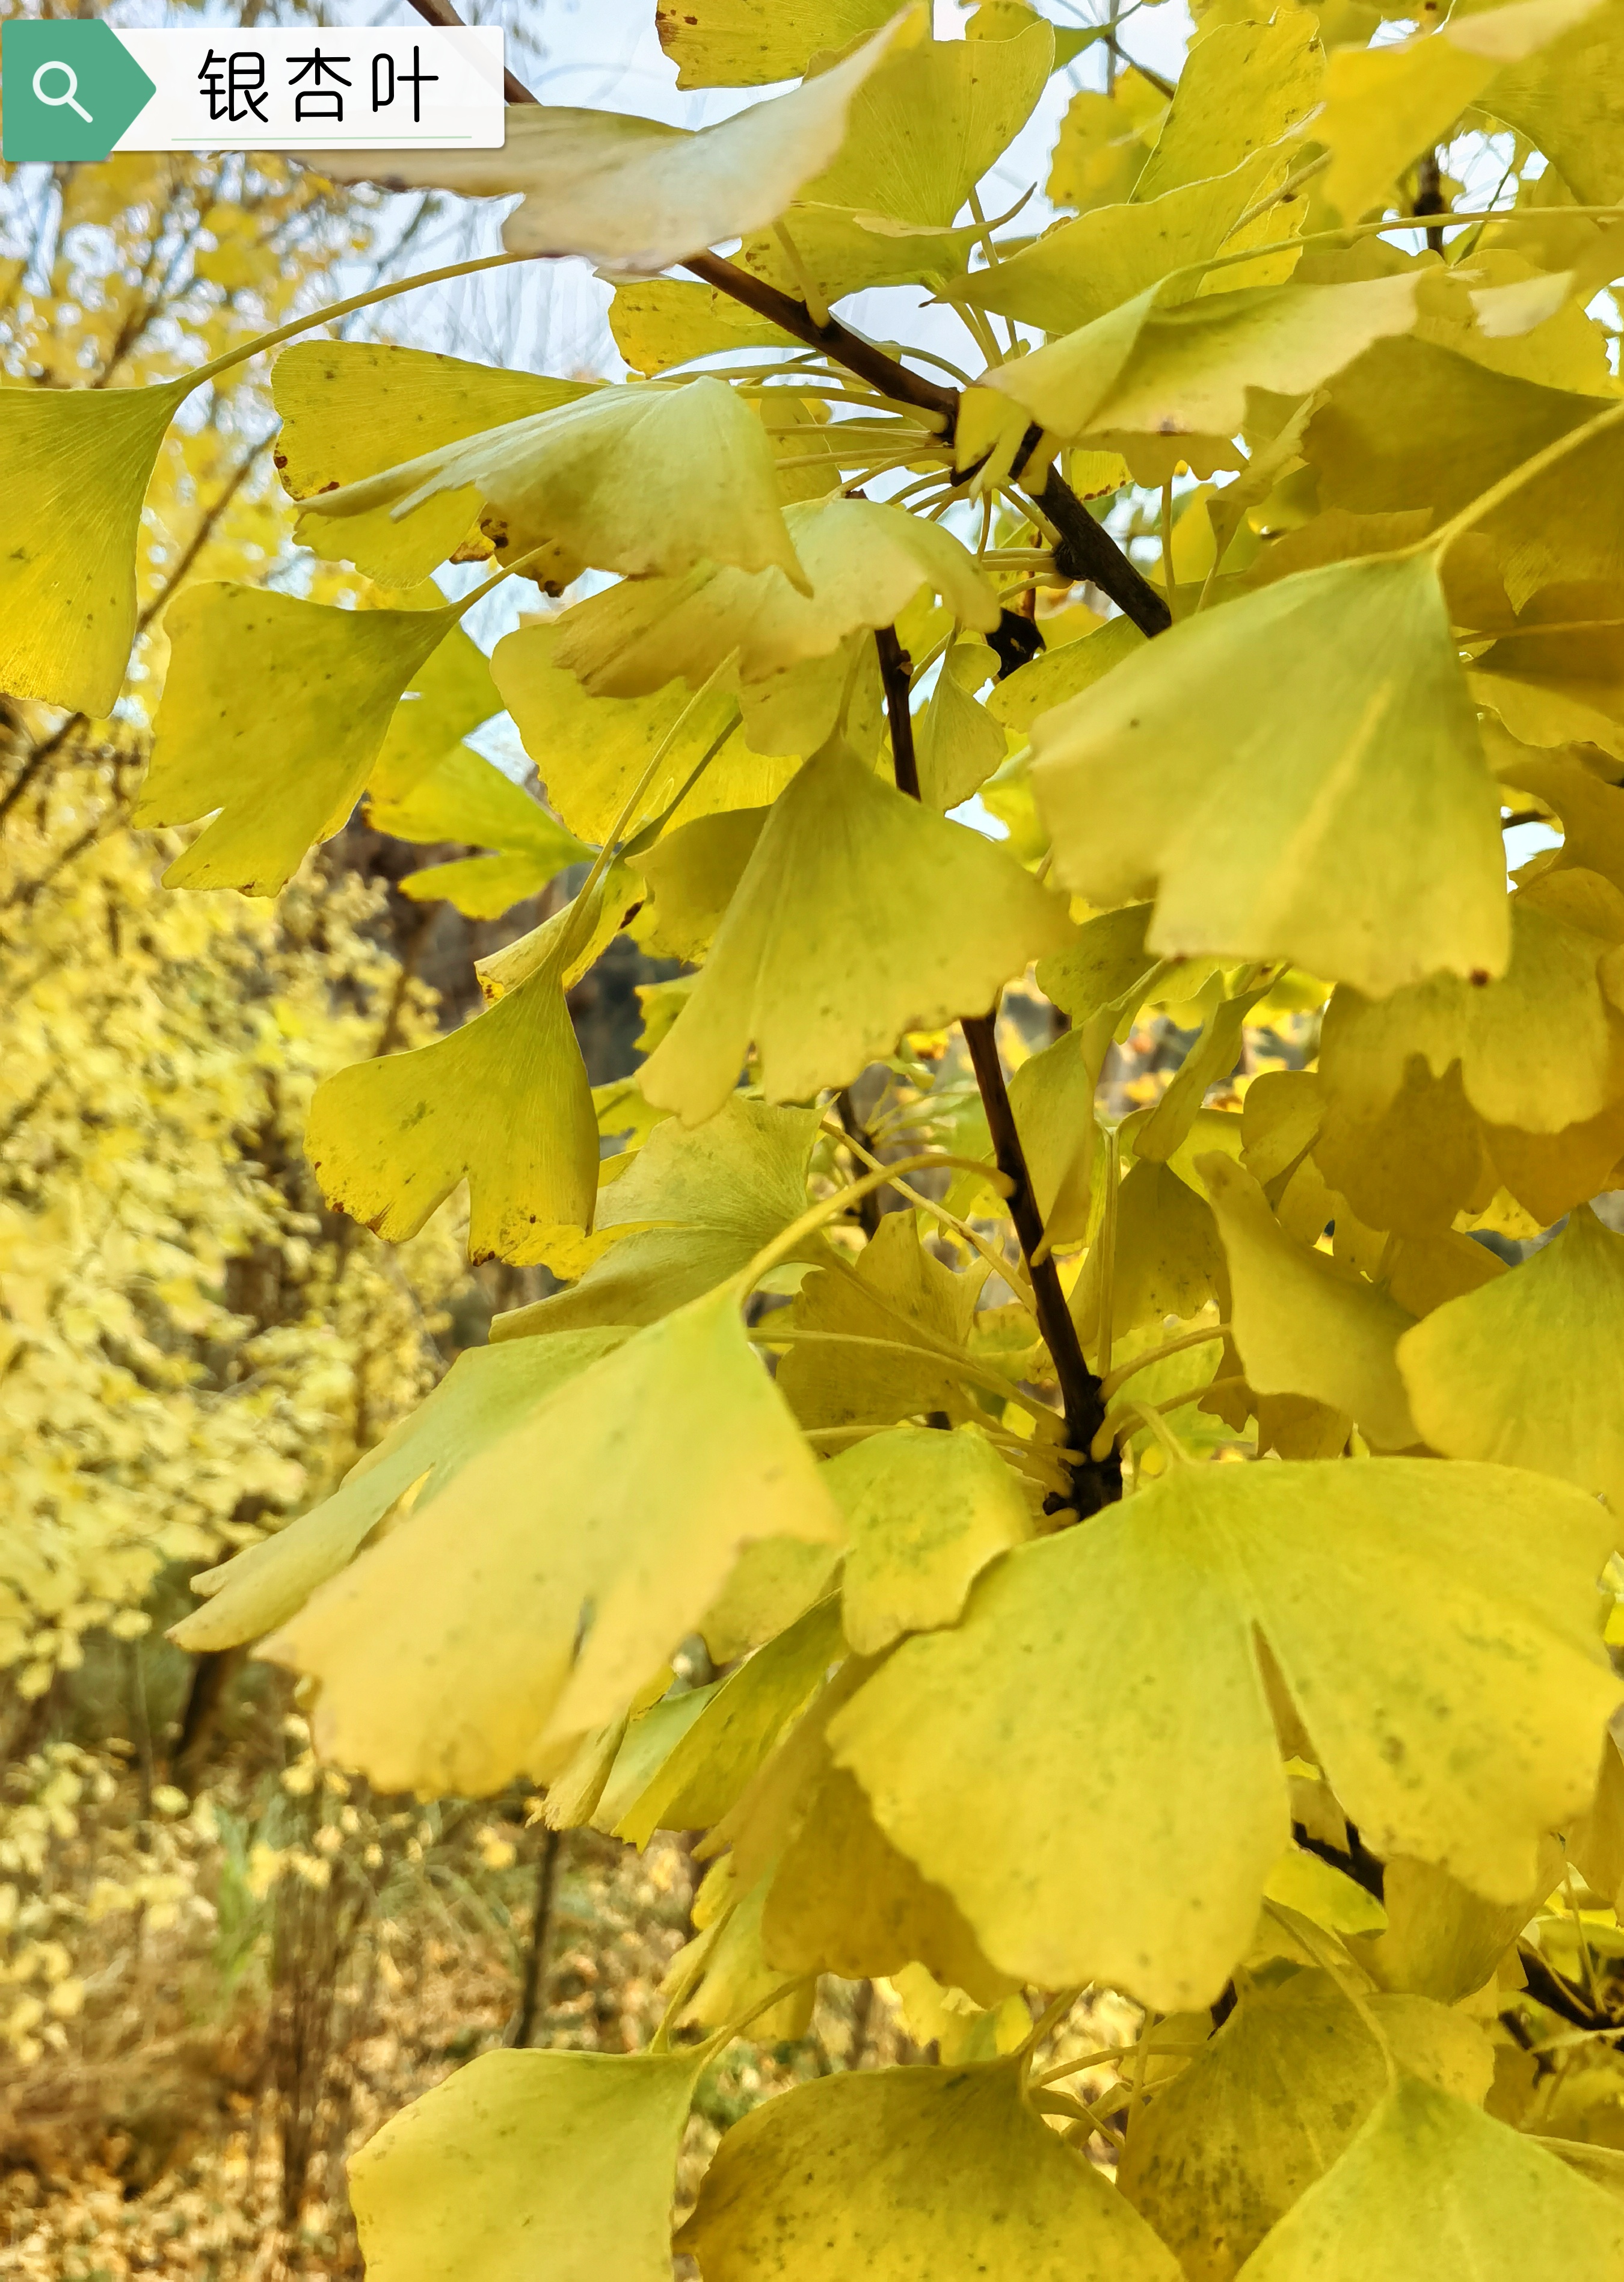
{"x": 429, "y": 88}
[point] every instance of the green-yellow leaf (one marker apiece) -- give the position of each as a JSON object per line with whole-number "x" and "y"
{"x": 467, "y": 797}
{"x": 1539, "y": 1048}
{"x": 1230, "y": 2145}
{"x": 1432, "y": 1625}
{"x": 485, "y": 1395}
{"x": 273, "y": 715}
{"x": 1302, "y": 1323}
{"x": 450, "y": 1655}
{"x": 926, "y": 1511}
{"x": 503, "y": 1103}
{"x": 451, "y": 693}
{"x": 352, "y": 408}
{"x": 866, "y": 562}
{"x": 1243, "y": 88}
{"x": 743, "y": 43}
{"x": 649, "y": 478}
{"x": 714, "y": 1196}
{"x": 1565, "y": 96}
{"x": 913, "y": 2172}
{"x": 530, "y": 2167}
{"x": 633, "y": 195}
{"x": 1372, "y": 856}
{"x": 75, "y": 466}
{"x": 860, "y": 914}
{"x": 1432, "y": 2186}
{"x": 1526, "y": 1370}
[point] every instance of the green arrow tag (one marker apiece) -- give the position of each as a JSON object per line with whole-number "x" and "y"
{"x": 70, "y": 90}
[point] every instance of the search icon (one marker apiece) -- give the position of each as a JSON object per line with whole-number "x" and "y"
{"x": 71, "y": 97}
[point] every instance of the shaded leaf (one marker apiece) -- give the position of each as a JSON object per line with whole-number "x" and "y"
{"x": 926, "y": 1512}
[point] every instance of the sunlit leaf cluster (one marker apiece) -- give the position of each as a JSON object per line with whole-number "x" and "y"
{"x": 1164, "y": 1552}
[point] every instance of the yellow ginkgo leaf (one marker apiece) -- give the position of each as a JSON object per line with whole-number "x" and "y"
{"x": 860, "y": 914}
{"x": 352, "y": 408}
{"x": 1079, "y": 270}
{"x": 1299, "y": 775}
{"x": 649, "y": 478}
{"x": 1104, "y": 140}
{"x": 899, "y": 1292}
{"x": 273, "y": 714}
{"x": 1442, "y": 1941}
{"x": 75, "y": 466}
{"x": 700, "y": 1206}
{"x": 1565, "y": 686}
{"x": 842, "y": 1899}
{"x": 1385, "y": 105}
{"x": 913, "y": 2170}
{"x": 692, "y": 875}
{"x": 1409, "y": 1166}
{"x": 503, "y": 1103}
{"x": 920, "y": 136}
{"x": 1564, "y": 96}
{"x": 957, "y": 744}
{"x": 631, "y": 194}
{"x": 1431, "y": 2187}
{"x": 530, "y": 2167}
{"x": 1243, "y": 88}
{"x": 467, "y": 797}
{"x": 485, "y": 1395}
{"x": 660, "y": 322}
{"x": 926, "y": 1512}
{"x": 1432, "y": 1626}
{"x": 450, "y": 1655}
{"x": 1052, "y": 1095}
{"x": 774, "y": 1580}
{"x": 591, "y": 752}
{"x": 1527, "y": 1370}
{"x": 866, "y": 562}
{"x": 1165, "y": 1259}
{"x": 1303, "y": 1324}
{"x": 1227, "y": 2148}
{"x": 698, "y": 1779}
{"x": 1144, "y": 371}
{"x": 1539, "y": 1048}
{"x": 451, "y": 693}
{"x": 739, "y": 43}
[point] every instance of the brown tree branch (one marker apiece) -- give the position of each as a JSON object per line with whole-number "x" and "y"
{"x": 1095, "y": 1483}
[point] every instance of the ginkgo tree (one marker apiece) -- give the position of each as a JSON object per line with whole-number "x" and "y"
{"x": 1169, "y": 1556}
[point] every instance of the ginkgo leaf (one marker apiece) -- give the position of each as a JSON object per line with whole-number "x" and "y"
{"x": 860, "y": 914}
{"x": 1431, "y": 1625}
{"x": 1414, "y": 1163}
{"x": 485, "y": 1395}
{"x": 1148, "y": 371}
{"x": 503, "y": 1103}
{"x": 451, "y": 693}
{"x": 1304, "y": 1325}
{"x": 1165, "y": 1257}
{"x": 920, "y": 136}
{"x": 1564, "y": 96}
{"x": 1370, "y": 854}
{"x": 1541, "y": 1047}
{"x": 75, "y": 466}
{"x": 896, "y": 1291}
{"x": 1052, "y": 1094}
{"x": 281, "y": 745}
{"x": 1431, "y": 2186}
{"x": 1244, "y": 88}
{"x": 692, "y": 875}
{"x": 633, "y": 195}
{"x": 591, "y": 752}
{"x": 913, "y": 2170}
{"x": 1562, "y": 685}
{"x": 1228, "y": 2147}
{"x": 352, "y": 408}
{"x": 450, "y": 1655}
{"x": 1526, "y": 1370}
{"x": 774, "y": 1580}
{"x": 467, "y": 797}
{"x": 1080, "y": 270}
{"x": 648, "y": 478}
{"x": 740, "y": 44}
{"x": 1442, "y": 1941}
{"x": 866, "y": 562}
{"x": 590, "y": 928}
{"x": 843, "y": 1900}
{"x": 957, "y": 744}
{"x": 1384, "y": 105}
{"x": 1104, "y": 140}
{"x": 926, "y": 1512}
{"x": 530, "y": 2167}
{"x": 714, "y": 1197}
{"x": 662, "y": 321}
{"x": 711, "y": 1762}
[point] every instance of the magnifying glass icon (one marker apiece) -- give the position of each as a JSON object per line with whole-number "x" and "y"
{"x": 71, "y": 96}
